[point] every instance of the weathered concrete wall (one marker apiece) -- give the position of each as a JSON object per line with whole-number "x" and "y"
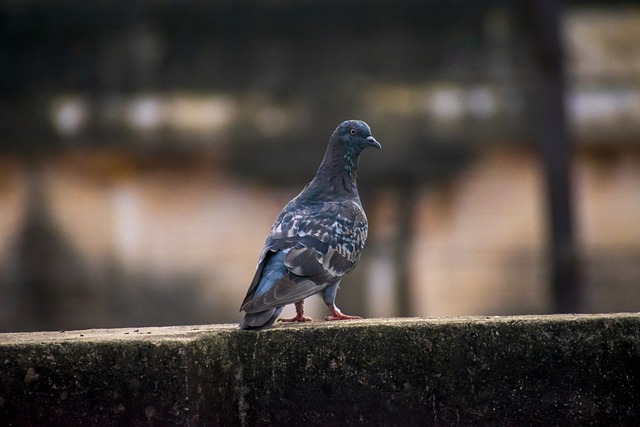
{"x": 538, "y": 370}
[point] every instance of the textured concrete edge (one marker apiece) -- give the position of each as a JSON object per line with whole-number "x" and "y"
{"x": 475, "y": 369}
{"x": 188, "y": 333}
{"x": 513, "y": 369}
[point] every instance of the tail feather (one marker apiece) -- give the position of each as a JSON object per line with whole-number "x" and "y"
{"x": 260, "y": 320}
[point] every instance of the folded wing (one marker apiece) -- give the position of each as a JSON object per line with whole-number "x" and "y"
{"x": 307, "y": 250}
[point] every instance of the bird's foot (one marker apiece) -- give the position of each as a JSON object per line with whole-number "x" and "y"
{"x": 338, "y": 315}
{"x": 297, "y": 318}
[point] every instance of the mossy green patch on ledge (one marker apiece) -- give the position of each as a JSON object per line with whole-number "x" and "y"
{"x": 569, "y": 370}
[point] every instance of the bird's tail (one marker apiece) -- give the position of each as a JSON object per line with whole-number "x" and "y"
{"x": 260, "y": 320}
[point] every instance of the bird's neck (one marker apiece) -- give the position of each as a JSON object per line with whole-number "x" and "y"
{"x": 337, "y": 174}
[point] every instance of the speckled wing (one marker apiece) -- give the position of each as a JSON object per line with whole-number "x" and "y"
{"x": 323, "y": 241}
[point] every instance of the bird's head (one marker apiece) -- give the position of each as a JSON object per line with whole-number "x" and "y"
{"x": 355, "y": 136}
{"x": 338, "y": 169}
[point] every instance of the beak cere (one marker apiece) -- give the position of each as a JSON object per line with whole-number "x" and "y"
{"x": 373, "y": 142}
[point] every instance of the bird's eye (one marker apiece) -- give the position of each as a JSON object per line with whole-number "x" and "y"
{"x": 352, "y": 131}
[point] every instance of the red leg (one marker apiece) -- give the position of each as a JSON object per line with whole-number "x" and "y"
{"x": 299, "y": 317}
{"x": 338, "y": 315}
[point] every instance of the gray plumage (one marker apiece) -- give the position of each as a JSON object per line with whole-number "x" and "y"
{"x": 317, "y": 238}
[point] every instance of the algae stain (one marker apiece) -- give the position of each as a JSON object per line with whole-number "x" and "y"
{"x": 31, "y": 376}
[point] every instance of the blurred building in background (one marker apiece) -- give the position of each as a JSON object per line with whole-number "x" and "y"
{"x": 147, "y": 147}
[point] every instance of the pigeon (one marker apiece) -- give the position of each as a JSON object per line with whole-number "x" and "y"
{"x": 317, "y": 238}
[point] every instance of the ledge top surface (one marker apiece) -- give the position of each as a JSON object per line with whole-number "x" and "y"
{"x": 191, "y": 332}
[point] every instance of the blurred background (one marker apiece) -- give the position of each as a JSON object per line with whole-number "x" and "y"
{"x": 146, "y": 147}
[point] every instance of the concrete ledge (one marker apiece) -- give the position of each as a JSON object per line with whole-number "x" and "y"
{"x": 533, "y": 370}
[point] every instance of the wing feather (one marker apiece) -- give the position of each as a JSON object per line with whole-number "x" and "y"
{"x": 285, "y": 291}
{"x": 312, "y": 245}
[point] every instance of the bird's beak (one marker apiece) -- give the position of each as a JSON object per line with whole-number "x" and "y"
{"x": 373, "y": 143}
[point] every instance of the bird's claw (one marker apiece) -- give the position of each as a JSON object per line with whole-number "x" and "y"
{"x": 342, "y": 317}
{"x": 336, "y": 314}
{"x": 296, "y": 319}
